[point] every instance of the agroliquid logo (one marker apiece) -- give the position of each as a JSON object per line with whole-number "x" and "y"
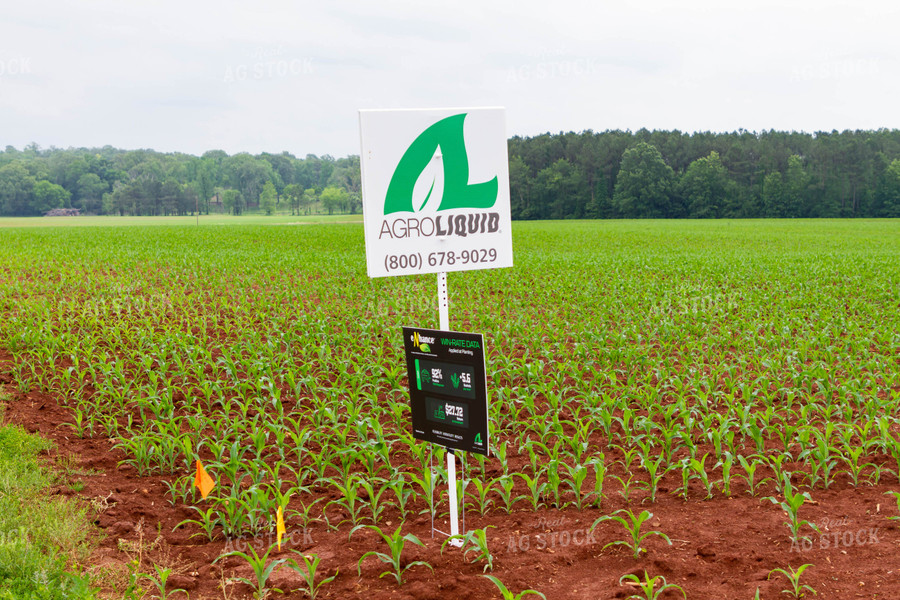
{"x": 444, "y": 139}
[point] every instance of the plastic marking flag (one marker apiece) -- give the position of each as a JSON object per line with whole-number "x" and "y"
{"x": 202, "y": 481}
{"x": 279, "y": 527}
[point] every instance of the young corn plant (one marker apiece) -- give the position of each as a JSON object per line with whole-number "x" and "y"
{"x": 428, "y": 484}
{"x": 793, "y": 576}
{"x": 599, "y": 465}
{"x": 480, "y": 496}
{"x": 750, "y": 465}
{"x": 304, "y": 514}
{"x": 504, "y": 485}
{"x": 349, "y": 500}
{"x": 698, "y": 468}
{"x": 629, "y": 485}
{"x": 181, "y": 491}
{"x": 308, "y": 573}
{"x": 403, "y": 492}
{"x": 474, "y": 541}
{"x": 162, "y": 576}
{"x": 726, "y": 463}
{"x": 655, "y": 472}
{"x": 535, "y": 489}
{"x": 632, "y": 526}
{"x": 896, "y": 496}
{"x": 508, "y": 595}
{"x": 231, "y": 515}
{"x": 791, "y": 506}
{"x": 207, "y": 521}
{"x": 777, "y": 462}
{"x": 821, "y": 464}
{"x": 374, "y": 494}
{"x": 262, "y": 569}
{"x": 395, "y": 543}
{"x": 553, "y": 480}
{"x": 851, "y": 457}
{"x": 648, "y": 586}
{"x": 575, "y": 481}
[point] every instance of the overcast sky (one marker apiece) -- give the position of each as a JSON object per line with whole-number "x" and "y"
{"x": 192, "y": 76}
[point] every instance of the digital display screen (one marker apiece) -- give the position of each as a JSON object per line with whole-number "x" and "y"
{"x": 446, "y": 412}
{"x": 445, "y": 378}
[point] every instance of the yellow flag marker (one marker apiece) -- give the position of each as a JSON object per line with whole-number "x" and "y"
{"x": 202, "y": 481}
{"x": 279, "y": 526}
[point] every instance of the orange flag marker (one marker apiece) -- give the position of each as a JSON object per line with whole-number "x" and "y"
{"x": 202, "y": 481}
{"x": 279, "y": 526}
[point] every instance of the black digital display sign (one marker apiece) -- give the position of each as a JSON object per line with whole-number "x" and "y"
{"x": 447, "y": 388}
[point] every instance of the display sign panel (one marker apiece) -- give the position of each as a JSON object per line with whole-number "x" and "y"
{"x": 435, "y": 187}
{"x": 448, "y": 388}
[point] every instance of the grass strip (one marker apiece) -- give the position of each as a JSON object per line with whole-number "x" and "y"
{"x": 43, "y": 538}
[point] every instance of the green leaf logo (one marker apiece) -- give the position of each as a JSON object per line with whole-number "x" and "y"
{"x": 443, "y": 141}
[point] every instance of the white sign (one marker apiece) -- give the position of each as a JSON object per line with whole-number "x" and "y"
{"x": 435, "y": 187}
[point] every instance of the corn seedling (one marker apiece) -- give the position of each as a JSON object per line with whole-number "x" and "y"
{"x": 750, "y": 467}
{"x": 374, "y": 494}
{"x": 349, "y": 500}
{"x": 162, "y": 576}
{"x": 896, "y": 496}
{"x": 726, "y": 463}
{"x": 648, "y": 586}
{"x": 577, "y": 476}
{"x": 207, "y": 521}
{"x": 308, "y": 573}
{"x": 698, "y": 468}
{"x": 508, "y": 595}
{"x": 852, "y": 458}
{"x": 262, "y": 569}
{"x": 395, "y": 543}
{"x": 632, "y": 526}
{"x": 655, "y": 472}
{"x": 474, "y": 541}
{"x": 628, "y": 486}
{"x": 599, "y": 479}
{"x": 791, "y": 505}
{"x": 480, "y": 497}
{"x": 535, "y": 489}
{"x": 793, "y": 576}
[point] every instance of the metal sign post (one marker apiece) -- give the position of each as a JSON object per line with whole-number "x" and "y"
{"x": 444, "y": 316}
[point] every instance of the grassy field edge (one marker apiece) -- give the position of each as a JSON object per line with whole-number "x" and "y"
{"x": 43, "y": 538}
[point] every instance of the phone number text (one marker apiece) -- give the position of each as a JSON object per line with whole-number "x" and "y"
{"x": 395, "y": 262}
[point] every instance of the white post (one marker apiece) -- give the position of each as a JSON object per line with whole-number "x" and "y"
{"x": 444, "y": 312}
{"x": 454, "y": 504}
{"x": 443, "y": 304}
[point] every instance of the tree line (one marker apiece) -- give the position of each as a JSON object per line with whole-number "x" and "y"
{"x": 670, "y": 174}
{"x": 107, "y": 180}
{"x": 611, "y": 174}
